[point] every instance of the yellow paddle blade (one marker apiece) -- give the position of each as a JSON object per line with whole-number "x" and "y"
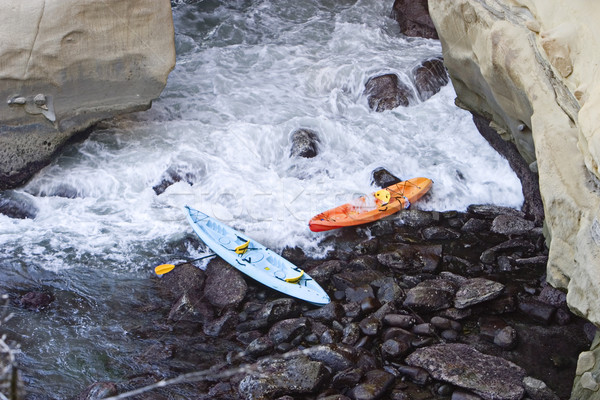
{"x": 383, "y": 195}
{"x": 242, "y": 248}
{"x": 295, "y": 279}
{"x": 163, "y": 269}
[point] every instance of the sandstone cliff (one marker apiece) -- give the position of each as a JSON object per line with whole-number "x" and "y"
{"x": 68, "y": 64}
{"x": 530, "y": 66}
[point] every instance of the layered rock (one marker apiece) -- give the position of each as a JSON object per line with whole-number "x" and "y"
{"x": 68, "y": 64}
{"x": 528, "y": 66}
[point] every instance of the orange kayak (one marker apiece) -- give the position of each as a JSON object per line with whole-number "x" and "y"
{"x": 372, "y": 207}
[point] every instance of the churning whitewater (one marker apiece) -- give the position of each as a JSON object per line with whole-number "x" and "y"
{"x": 248, "y": 74}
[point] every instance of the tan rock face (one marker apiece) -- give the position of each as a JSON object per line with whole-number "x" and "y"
{"x": 531, "y": 67}
{"x": 67, "y": 64}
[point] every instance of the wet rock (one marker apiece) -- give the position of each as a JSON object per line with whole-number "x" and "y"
{"x": 439, "y": 233}
{"x": 338, "y": 357}
{"x": 418, "y": 375}
{"x": 354, "y": 279}
{"x": 538, "y": 390}
{"x": 413, "y": 18}
{"x": 286, "y": 330}
{"x": 475, "y": 291}
{"x": 276, "y": 377}
{"x": 224, "y": 285}
{"x": 368, "y": 247}
{"x": 382, "y": 228}
{"x": 329, "y": 312}
{"x": 429, "y": 77}
{"x": 400, "y": 320}
{"x": 370, "y": 326}
{"x": 537, "y": 310}
{"x": 413, "y": 218}
{"x": 449, "y": 335}
{"x": 323, "y": 272}
{"x": 386, "y": 92}
{"x": 489, "y": 326}
{"x": 390, "y": 292}
{"x": 476, "y": 225}
{"x": 351, "y": 334}
{"x": 358, "y": 294}
{"x": 394, "y": 349}
{"x": 462, "y": 395}
{"x": 190, "y": 307}
{"x": 411, "y": 258}
{"x": 347, "y": 378}
{"x": 424, "y": 329}
{"x": 511, "y": 225}
{"x": 364, "y": 262}
{"x": 553, "y": 296}
{"x": 259, "y": 347}
{"x": 279, "y": 309}
{"x": 182, "y": 279}
{"x": 383, "y": 178}
{"x": 174, "y": 174}
{"x": 98, "y": 390}
{"x": 491, "y": 211}
{"x": 489, "y": 255}
{"x": 531, "y": 261}
{"x": 431, "y": 295}
{"x": 304, "y": 143}
{"x": 295, "y": 255}
{"x": 252, "y": 325}
{"x": 221, "y": 326}
{"x": 36, "y": 301}
{"x": 17, "y": 206}
{"x": 369, "y": 305}
{"x": 461, "y": 365}
{"x": 373, "y": 386}
{"x": 445, "y": 323}
{"x": 506, "y": 338}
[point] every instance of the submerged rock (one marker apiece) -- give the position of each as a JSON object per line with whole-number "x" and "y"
{"x": 36, "y": 300}
{"x": 18, "y": 206}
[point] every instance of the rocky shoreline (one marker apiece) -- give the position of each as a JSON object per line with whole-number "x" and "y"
{"x": 425, "y": 305}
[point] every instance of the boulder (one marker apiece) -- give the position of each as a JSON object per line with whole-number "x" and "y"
{"x": 383, "y": 178}
{"x": 69, "y": 64}
{"x": 429, "y": 77}
{"x": 305, "y": 143}
{"x": 386, "y": 92}
{"x": 461, "y": 365}
{"x": 413, "y": 18}
{"x": 275, "y": 377}
{"x": 224, "y": 285}
{"x": 529, "y": 69}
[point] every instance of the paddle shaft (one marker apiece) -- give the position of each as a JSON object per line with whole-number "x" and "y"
{"x": 164, "y": 268}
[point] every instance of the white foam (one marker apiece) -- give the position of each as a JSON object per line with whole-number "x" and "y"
{"x": 227, "y": 114}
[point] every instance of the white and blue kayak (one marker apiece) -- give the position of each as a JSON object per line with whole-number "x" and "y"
{"x": 255, "y": 260}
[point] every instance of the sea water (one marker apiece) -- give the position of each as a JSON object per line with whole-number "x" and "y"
{"x": 248, "y": 74}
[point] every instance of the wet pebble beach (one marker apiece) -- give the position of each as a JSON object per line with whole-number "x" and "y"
{"x": 425, "y": 305}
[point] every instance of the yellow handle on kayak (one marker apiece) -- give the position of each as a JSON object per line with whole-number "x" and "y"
{"x": 383, "y": 195}
{"x": 295, "y": 279}
{"x": 242, "y": 248}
